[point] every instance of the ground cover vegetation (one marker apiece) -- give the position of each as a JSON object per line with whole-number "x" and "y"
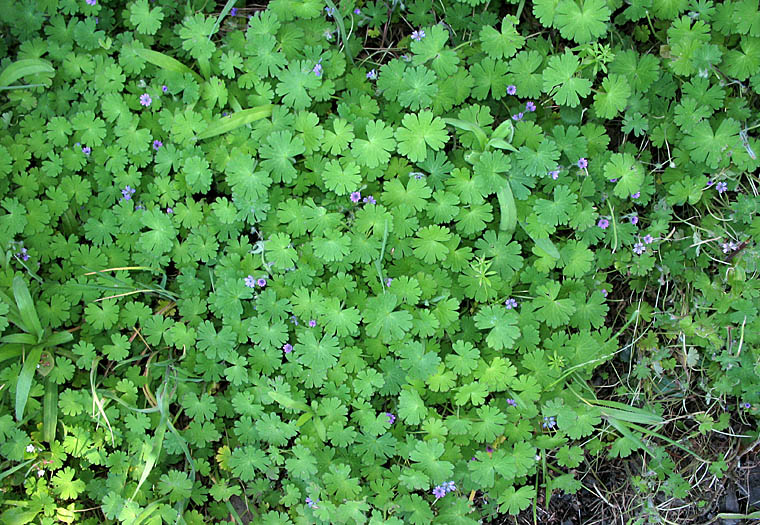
{"x": 377, "y": 261}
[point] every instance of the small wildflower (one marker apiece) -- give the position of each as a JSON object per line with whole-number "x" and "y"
{"x": 489, "y": 449}
{"x": 648, "y": 239}
{"x": 139, "y": 207}
{"x": 710, "y": 182}
{"x": 747, "y": 405}
{"x": 312, "y": 323}
{"x": 406, "y": 58}
{"x": 549, "y": 422}
{"x": 169, "y": 211}
{"x": 91, "y": 2}
{"x": 330, "y": 11}
{"x": 355, "y": 196}
{"x": 510, "y": 303}
{"x": 127, "y": 192}
{"x": 233, "y": 11}
{"x": 224, "y": 113}
{"x": 145, "y": 100}
{"x": 250, "y": 281}
{"x": 518, "y": 117}
{"x": 721, "y": 187}
{"x": 24, "y": 255}
{"x": 294, "y": 320}
{"x": 328, "y": 34}
{"x": 554, "y": 174}
{"x": 372, "y": 75}
{"x": 287, "y": 348}
{"x": 369, "y": 199}
{"x": 511, "y": 89}
{"x": 604, "y": 292}
{"x": 30, "y": 449}
{"x": 391, "y": 418}
{"x": 450, "y": 486}
{"x": 164, "y": 89}
{"x": 639, "y": 248}
{"x": 357, "y": 11}
{"x": 87, "y": 150}
{"x": 40, "y": 473}
{"x": 261, "y": 282}
{"x": 157, "y": 144}
{"x": 418, "y": 35}
{"x": 603, "y": 223}
{"x": 634, "y": 220}
{"x": 418, "y": 175}
{"x": 613, "y": 180}
{"x": 530, "y": 106}
{"x": 582, "y": 163}
{"x": 317, "y": 69}
{"x": 312, "y": 503}
{"x": 636, "y": 195}
{"x": 511, "y": 402}
{"x": 439, "y": 492}
{"x": 388, "y": 282}
{"x": 728, "y": 247}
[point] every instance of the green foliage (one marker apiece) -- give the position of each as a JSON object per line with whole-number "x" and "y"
{"x": 306, "y": 268}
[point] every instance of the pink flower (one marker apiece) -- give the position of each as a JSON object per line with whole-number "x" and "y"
{"x": 355, "y": 196}
{"x": 145, "y": 100}
{"x": 603, "y": 223}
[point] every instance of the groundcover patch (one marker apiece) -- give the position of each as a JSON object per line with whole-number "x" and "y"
{"x": 375, "y": 262}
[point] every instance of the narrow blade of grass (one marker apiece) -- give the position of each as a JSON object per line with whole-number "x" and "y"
{"x": 50, "y": 410}
{"x": 341, "y": 29}
{"x": 241, "y": 118}
{"x": 469, "y": 126}
{"x": 22, "y": 68}
{"x": 225, "y": 11}
{"x": 24, "y": 383}
{"x": 26, "y": 307}
{"x": 508, "y": 209}
{"x": 166, "y": 62}
{"x": 151, "y": 456}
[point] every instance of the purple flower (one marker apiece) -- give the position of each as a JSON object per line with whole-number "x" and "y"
{"x": 391, "y": 418}
{"x": 233, "y": 11}
{"x": 317, "y": 70}
{"x": 450, "y": 486}
{"x": 604, "y": 292}
{"x": 636, "y": 195}
{"x": 510, "y": 303}
{"x": 747, "y": 405}
{"x": 511, "y": 89}
{"x": 721, "y": 187}
{"x": 710, "y": 182}
{"x": 372, "y": 75}
{"x": 634, "y": 219}
{"x": 511, "y": 402}
{"x": 728, "y": 247}
{"x": 554, "y": 174}
{"x": 87, "y": 150}
{"x": 24, "y": 256}
{"x": 603, "y": 223}
{"x": 312, "y": 503}
{"x": 145, "y": 100}
{"x": 489, "y": 449}
{"x": 91, "y": 2}
{"x": 518, "y": 117}
{"x": 648, "y": 239}
{"x": 312, "y": 323}
{"x": 287, "y": 348}
{"x": 582, "y": 163}
{"x": 530, "y": 106}
{"x": 549, "y": 422}
{"x": 330, "y": 11}
{"x": 127, "y": 192}
{"x": 250, "y": 281}
{"x": 613, "y": 180}
{"x": 261, "y": 282}
{"x": 355, "y": 196}
{"x": 169, "y": 211}
{"x": 369, "y": 199}
{"x": 164, "y": 89}
{"x": 157, "y": 144}
{"x": 357, "y": 11}
{"x": 639, "y": 248}
{"x": 439, "y": 492}
{"x": 418, "y": 35}
{"x": 294, "y": 320}
{"x": 388, "y": 282}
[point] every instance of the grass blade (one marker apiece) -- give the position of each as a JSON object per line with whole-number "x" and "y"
{"x": 50, "y": 410}
{"x": 241, "y": 118}
{"x": 24, "y": 383}
{"x": 469, "y": 126}
{"x": 341, "y": 29}
{"x": 9, "y": 351}
{"x": 225, "y": 11}
{"x": 152, "y": 456}
{"x": 22, "y": 68}
{"x": 166, "y": 62}
{"x": 26, "y": 307}
{"x": 508, "y": 209}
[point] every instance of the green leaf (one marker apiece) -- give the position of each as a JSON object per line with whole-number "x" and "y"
{"x": 146, "y": 20}
{"x": 50, "y": 411}
{"x": 613, "y": 97}
{"x": 513, "y": 501}
{"x": 560, "y": 79}
{"x": 502, "y": 44}
{"x": 628, "y": 172}
{"x": 22, "y": 68}
{"x": 166, "y": 62}
{"x": 26, "y": 308}
{"x": 24, "y": 382}
{"x": 235, "y": 120}
{"x": 420, "y": 131}
{"x": 582, "y": 20}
